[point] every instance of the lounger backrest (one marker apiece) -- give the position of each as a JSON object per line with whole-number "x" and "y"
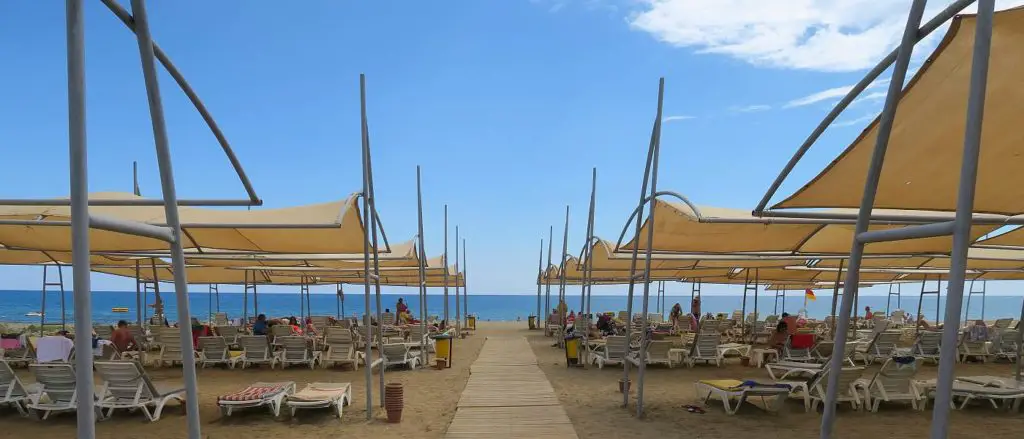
{"x": 320, "y": 321}
{"x": 1002, "y": 323}
{"x": 57, "y": 379}
{"x": 220, "y": 319}
{"x": 103, "y": 331}
{"x": 623, "y": 316}
{"x": 771, "y": 320}
{"x": 395, "y": 352}
{"x": 294, "y": 347}
{"x": 886, "y": 342}
{"x": 895, "y": 377}
{"x": 615, "y": 347}
{"x": 170, "y": 342}
{"x": 387, "y": 318}
{"x": 138, "y": 333}
{"x": 928, "y": 343}
{"x": 706, "y": 345}
{"x": 125, "y": 380}
{"x": 281, "y": 330}
{"x": 214, "y": 348}
{"x": 737, "y": 315}
{"x": 416, "y": 334}
{"x": 1008, "y": 340}
{"x": 256, "y": 347}
{"x": 10, "y": 385}
{"x": 337, "y": 335}
{"x": 847, "y": 376}
{"x": 658, "y": 349}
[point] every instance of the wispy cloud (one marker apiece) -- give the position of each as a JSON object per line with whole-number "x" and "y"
{"x": 832, "y": 93}
{"x": 750, "y": 108}
{"x": 870, "y": 97}
{"x": 676, "y": 118}
{"x": 856, "y": 121}
{"x": 820, "y": 35}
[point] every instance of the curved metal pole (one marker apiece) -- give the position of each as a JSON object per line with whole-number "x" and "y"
{"x": 916, "y": 35}
{"x": 647, "y": 199}
{"x": 910, "y": 34}
{"x": 131, "y": 23}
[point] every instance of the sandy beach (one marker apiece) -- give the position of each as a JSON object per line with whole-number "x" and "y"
{"x": 430, "y": 399}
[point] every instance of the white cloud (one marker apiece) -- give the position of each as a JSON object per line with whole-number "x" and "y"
{"x": 832, "y": 93}
{"x": 870, "y": 97}
{"x": 857, "y": 121}
{"x": 822, "y": 35}
{"x": 751, "y": 108}
{"x": 675, "y": 118}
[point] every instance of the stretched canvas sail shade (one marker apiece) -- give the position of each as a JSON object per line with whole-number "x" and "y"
{"x": 678, "y": 229}
{"x": 335, "y": 227}
{"x": 402, "y": 255}
{"x": 922, "y": 163}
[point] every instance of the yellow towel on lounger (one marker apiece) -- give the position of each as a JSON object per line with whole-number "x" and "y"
{"x": 319, "y": 393}
{"x": 730, "y": 385}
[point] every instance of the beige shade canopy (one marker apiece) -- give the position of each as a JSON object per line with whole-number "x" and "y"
{"x": 606, "y": 259}
{"x": 574, "y": 273}
{"x": 195, "y": 275}
{"x": 435, "y": 267}
{"x": 402, "y": 255}
{"x": 678, "y": 229}
{"x": 35, "y": 257}
{"x": 335, "y": 227}
{"x": 897, "y": 262}
{"x": 922, "y": 163}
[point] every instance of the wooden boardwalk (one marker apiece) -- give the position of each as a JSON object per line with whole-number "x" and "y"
{"x": 508, "y": 396}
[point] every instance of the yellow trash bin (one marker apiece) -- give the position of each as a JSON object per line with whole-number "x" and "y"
{"x": 471, "y": 323}
{"x": 533, "y": 322}
{"x": 572, "y": 351}
{"x": 443, "y": 348}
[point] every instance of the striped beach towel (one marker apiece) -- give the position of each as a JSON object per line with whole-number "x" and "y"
{"x": 252, "y": 393}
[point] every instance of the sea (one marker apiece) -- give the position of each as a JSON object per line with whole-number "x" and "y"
{"x": 14, "y": 305}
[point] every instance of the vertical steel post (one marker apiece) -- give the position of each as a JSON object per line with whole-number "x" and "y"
{"x": 540, "y": 276}
{"x": 899, "y": 74}
{"x": 42, "y": 303}
{"x": 635, "y": 253}
{"x": 561, "y": 279}
{"x": 458, "y": 308}
{"x": 367, "y": 321}
{"x": 588, "y": 250}
{"x": 163, "y": 153}
{"x": 421, "y": 255}
{"x": 656, "y": 140}
{"x": 447, "y": 322}
{"x": 78, "y": 157}
{"x": 547, "y": 282}
{"x": 465, "y": 284}
{"x": 964, "y": 212}
{"x": 375, "y": 258}
{"x": 139, "y": 305}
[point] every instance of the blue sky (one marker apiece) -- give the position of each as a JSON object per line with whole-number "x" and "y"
{"x": 507, "y": 105}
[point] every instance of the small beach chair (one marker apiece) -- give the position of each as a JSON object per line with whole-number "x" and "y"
{"x": 418, "y": 338}
{"x": 320, "y": 322}
{"x": 127, "y": 386}
{"x": 221, "y": 319}
{"x": 780, "y": 370}
{"x": 893, "y": 382}
{"x": 24, "y": 355}
{"x": 813, "y": 391}
{"x": 882, "y": 346}
{"x": 927, "y": 346}
{"x": 321, "y": 395}
{"x": 398, "y": 354}
{"x": 271, "y": 395}
{"x": 657, "y": 353}
{"x": 728, "y": 390}
{"x": 612, "y": 352}
{"x": 296, "y": 351}
{"x": 1005, "y": 345}
{"x": 798, "y": 348}
{"x": 57, "y": 392}
{"x": 341, "y": 348}
{"x": 705, "y": 348}
{"x": 970, "y": 391}
{"x": 12, "y": 391}
{"x": 170, "y": 346}
{"x": 967, "y": 349}
{"x": 257, "y": 350}
{"x": 139, "y": 334}
{"x": 282, "y": 330}
{"x": 214, "y": 350}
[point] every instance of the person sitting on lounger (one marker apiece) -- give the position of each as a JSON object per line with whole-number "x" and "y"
{"x": 122, "y": 338}
{"x": 778, "y": 338}
{"x": 260, "y": 327}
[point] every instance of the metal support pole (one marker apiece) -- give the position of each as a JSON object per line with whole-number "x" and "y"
{"x": 563, "y": 267}
{"x": 163, "y": 154}
{"x": 899, "y": 73}
{"x": 636, "y": 249}
{"x": 216, "y": 293}
{"x": 547, "y": 282}
{"x": 458, "y": 308}
{"x": 465, "y": 284}
{"x": 540, "y": 276}
{"x": 139, "y": 305}
{"x": 42, "y": 304}
{"x": 962, "y": 223}
{"x": 446, "y": 303}
{"x": 656, "y": 140}
{"x": 422, "y": 256}
{"x": 375, "y": 258}
{"x": 368, "y": 354}
{"x": 84, "y": 387}
{"x": 588, "y": 250}
{"x": 1020, "y": 345}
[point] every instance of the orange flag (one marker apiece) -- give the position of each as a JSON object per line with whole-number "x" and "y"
{"x": 809, "y": 295}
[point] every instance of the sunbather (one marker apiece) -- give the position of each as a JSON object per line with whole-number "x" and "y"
{"x": 122, "y": 338}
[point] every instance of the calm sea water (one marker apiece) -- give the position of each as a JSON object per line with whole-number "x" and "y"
{"x": 15, "y": 304}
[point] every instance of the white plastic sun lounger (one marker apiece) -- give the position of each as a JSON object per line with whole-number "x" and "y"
{"x": 321, "y": 395}
{"x": 127, "y": 386}
{"x": 297, "y": 352}
{"x": 256, "y": 349}
{"x": 214, "y": 350}
{"x": 781, "y": 370}
{"x": 58, "y": 388}
{"x": 971, "y": 391}
{"x": 397, "y": 354}
{"x": 12, "y": 391}
{"x": 893, "y": 382}
{"x": 257, "y": 395}
{"x": 728, "y": 390}
{"x": 612, "y": 352}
